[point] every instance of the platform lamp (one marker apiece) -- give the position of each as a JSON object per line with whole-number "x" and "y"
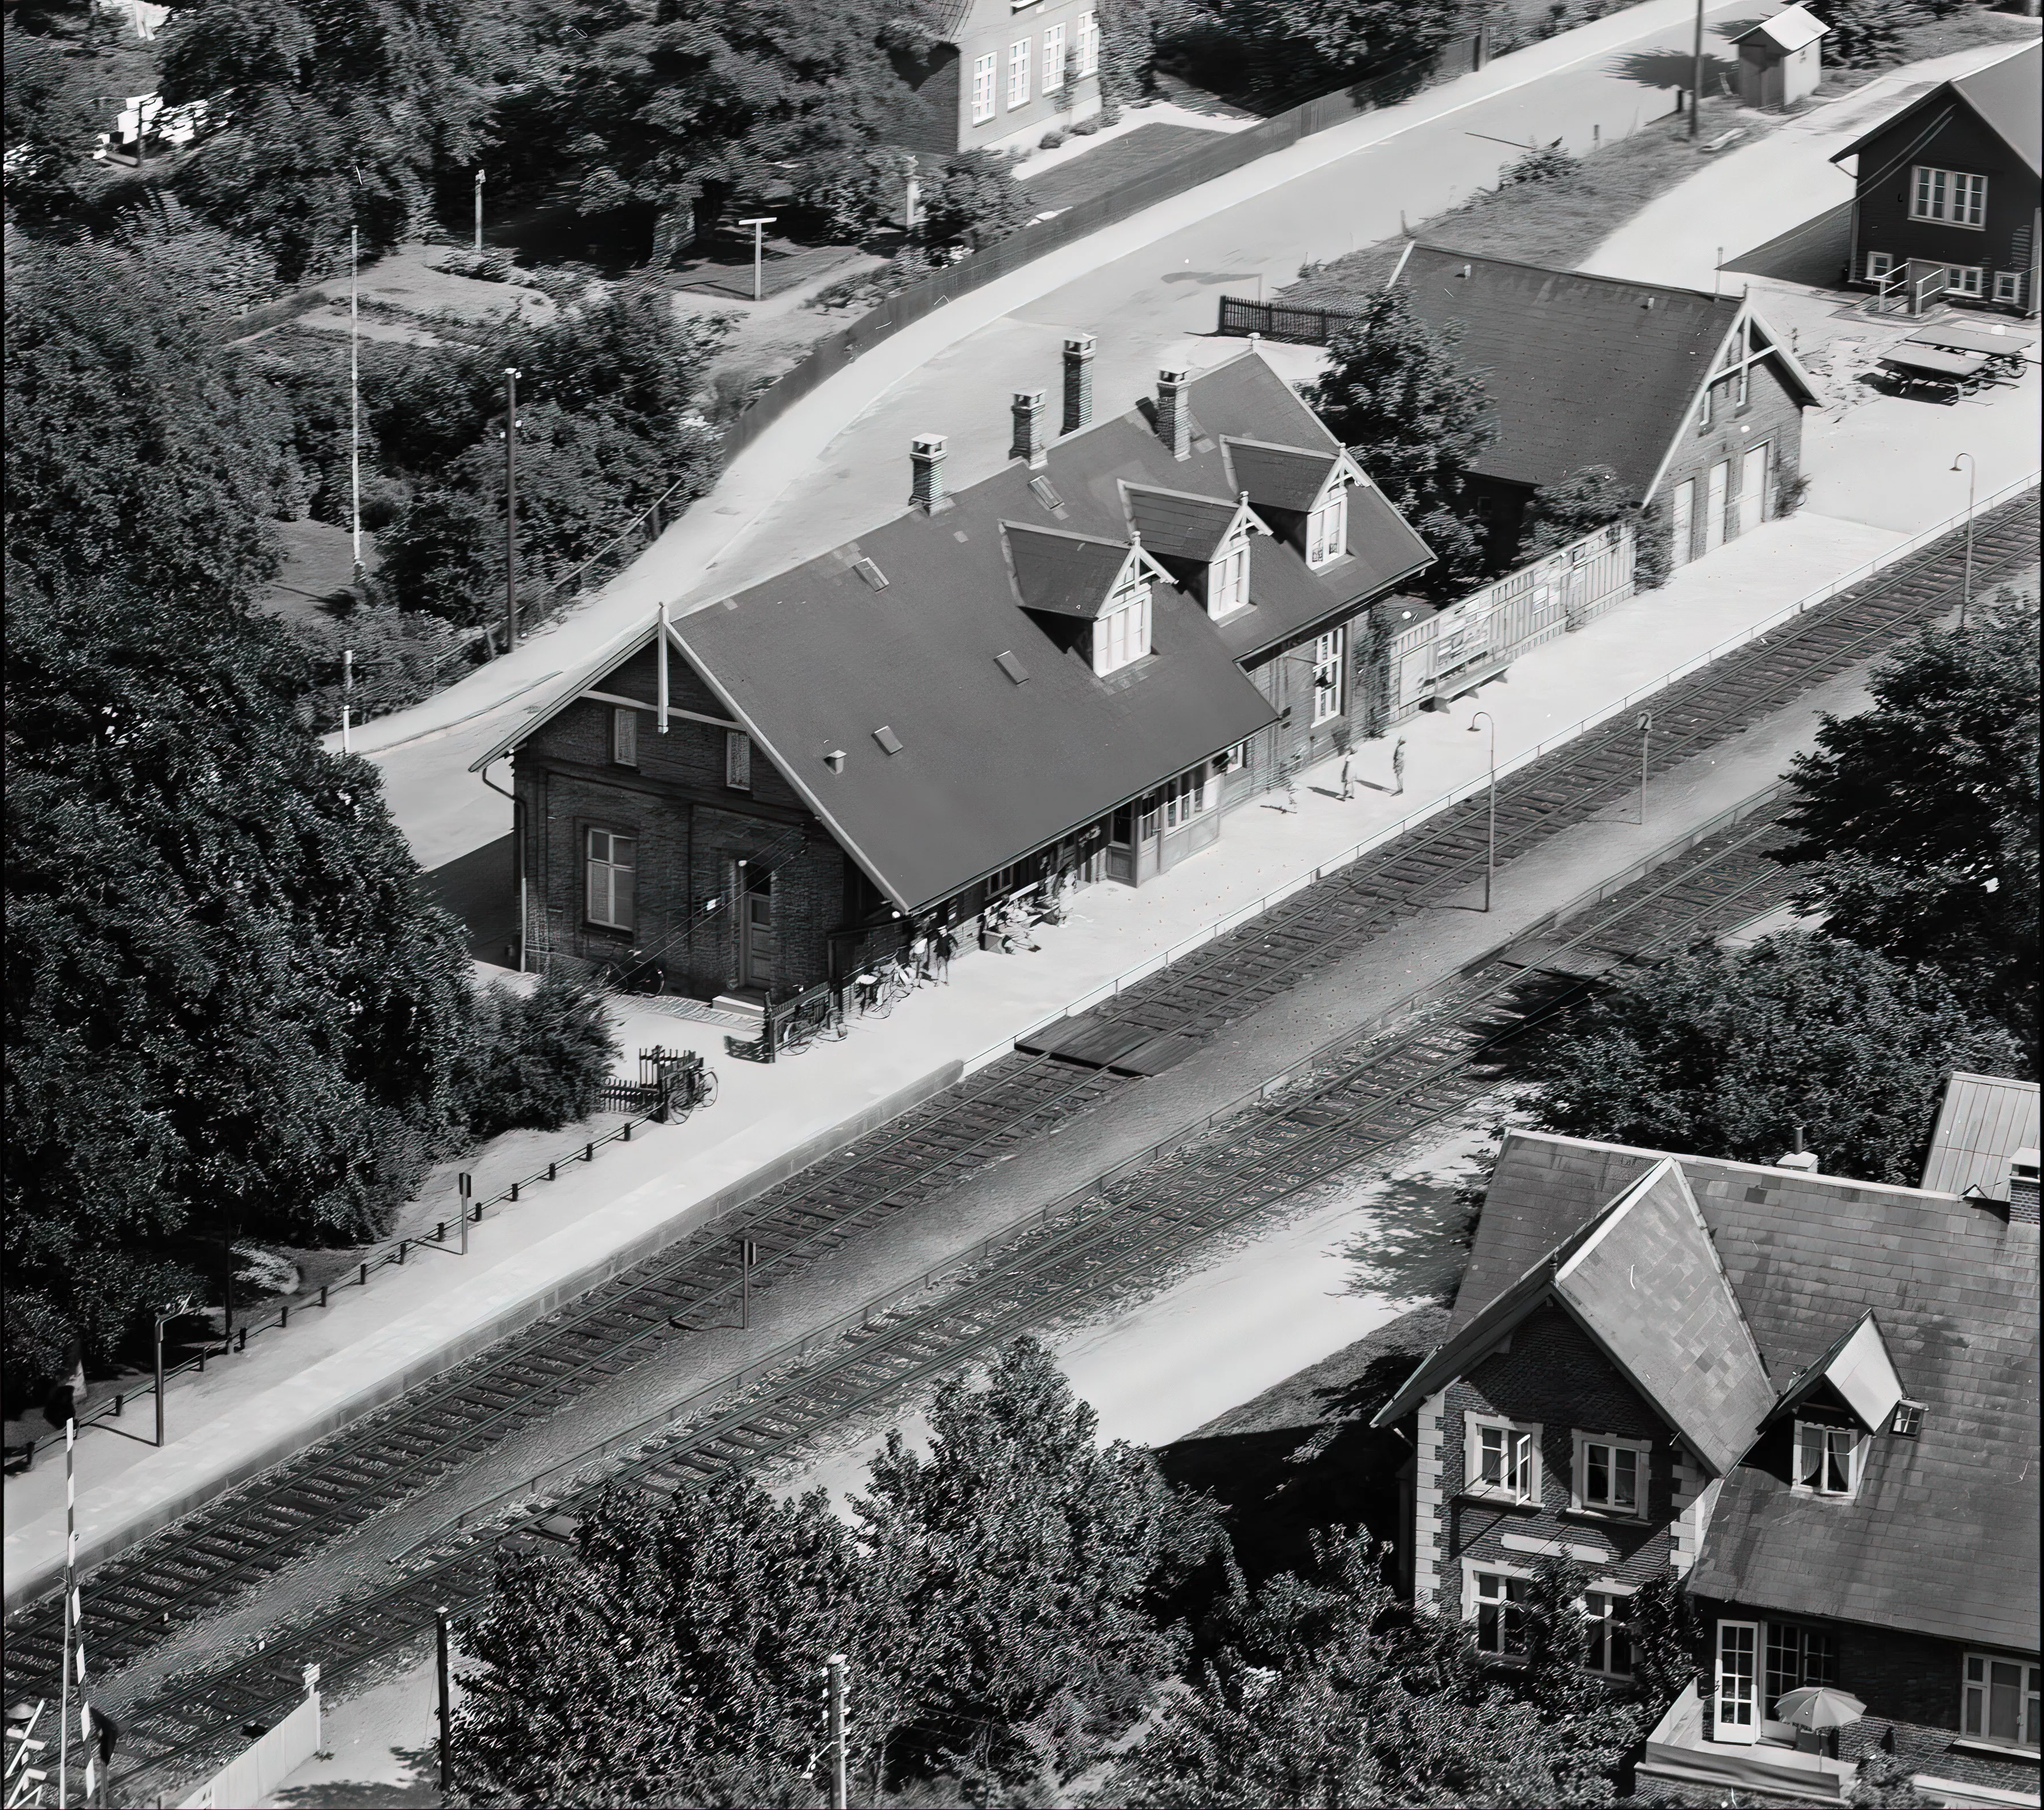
{"x": 177, "y": 1312}
{"x": 1490, "y": 856}
{"x": 1972, "y": 484}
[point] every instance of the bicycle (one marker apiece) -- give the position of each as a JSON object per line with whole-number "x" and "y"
{"x": 648, "y": 978}
{"x": 880, "y": 989}
{"x": 692, "y": 1084}
{"x": 824, "y": 1019}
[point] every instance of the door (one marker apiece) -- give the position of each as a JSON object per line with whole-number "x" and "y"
{"x": 1753, "y": 488}
{"x": 1685, "y": 526}
{"x": 1714, "y": 507}
{"x": 1737, "y": 1717}
{"x": 755, "y": 932}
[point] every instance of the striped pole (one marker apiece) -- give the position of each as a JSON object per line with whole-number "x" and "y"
{"x": 71, "y": 1613}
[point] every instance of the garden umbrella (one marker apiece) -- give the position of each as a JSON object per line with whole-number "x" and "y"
{"x": 1819, "y": 1706}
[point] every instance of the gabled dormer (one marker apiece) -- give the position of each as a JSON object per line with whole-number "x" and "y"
{"x": 1202, "y": 541}
{"x": 1095, "y": 593}
{"x": 1302, "y": 493}
{"x": 1835, "y": 1406}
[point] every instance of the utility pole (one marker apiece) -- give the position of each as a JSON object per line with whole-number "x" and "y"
{"x": 748, "y": 1254}
{"x": 162, "y": 1320}
{"x": 1696, "y": 78}
{"x": 758, "y": 246}
{"x": 1973, "y": 483}
{"x": 445, "y": 1713}
{"x": 510, "y": 507}
{"x": 478, "y": 210}
{"x": 1645, "y": 726}
{"x": 1490, "y": 857}
{"x": 355, "y": 387}
{"x": 834, "y": 1671}
{"x": 346, "y": 695}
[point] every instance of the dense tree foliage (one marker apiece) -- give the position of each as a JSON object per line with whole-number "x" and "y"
{"x": 49, "y": 124}
{"x": 1560, "y": 514}
{"x": 1917, "y": 818}
{"x": 1722, "y": 1053}
{"x": 1866, "y": 33}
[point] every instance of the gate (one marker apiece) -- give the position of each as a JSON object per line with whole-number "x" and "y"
{"x": 662, "y": 1072}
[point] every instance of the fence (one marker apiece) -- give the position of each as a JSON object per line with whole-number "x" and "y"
{"x": 1476, "y": 638}
{"x": 1294, "y": 325}
{"x": 251, "y": 1777}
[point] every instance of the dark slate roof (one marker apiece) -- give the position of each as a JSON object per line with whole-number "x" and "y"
{"x": 1943, "y": 1536}
{"x": 1065, "y": 574}
{"x": 1179, "y": 527}
{"x": 1985, "y": 1120}
{"x": 2005, "y": 96}
{"x": 1277, "y": 478}
{"x": 1583, "y": 370}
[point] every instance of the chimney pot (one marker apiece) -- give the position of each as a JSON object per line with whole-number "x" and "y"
{"x": 1029, "y": 443}
{"x": 926, "y": 473}
{"x": 2023, "y": 1187}
{"x": 1174, "y": 413}
{"x": 1079, "y": 382}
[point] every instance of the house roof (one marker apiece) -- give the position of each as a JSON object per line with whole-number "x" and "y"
{"x": 989, "y": 767}
{"x": 1858, "y": 1371}
{"x": 1942, "y": 1537}
{"x": 1278, "y": 477}
{"x": 1179, "y": 527}
{"x": 1582, "y": 370}
{"x": 1788, "y": 30}
{"x": 1985, "y": 1120}
{"x": 2004, "y": 97}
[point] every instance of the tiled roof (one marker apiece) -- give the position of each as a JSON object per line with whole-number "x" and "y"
{"x": 1985, "y": 1120}
{"x": 1065, "y": 574}
{"x": 1789, "y": 29}
{"x": 2004, "y": 96}
{"x": 1176, "y": 525}
{"x": 1582, "y": 371}
{"x": 1277, "y": 478}
{"x": 1858, "y": 1370}
{"x": 1942, "y": 1535}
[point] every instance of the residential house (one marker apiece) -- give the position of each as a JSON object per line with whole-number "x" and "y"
{"x": 1693, "y": 400}
{"x": 1002, "y": 73}
{"x": 1949, "y": 186}
{"x": 1068, "y": 670}
{"x": 1813, "y": 1398}
{"x": 1781, "y": 59}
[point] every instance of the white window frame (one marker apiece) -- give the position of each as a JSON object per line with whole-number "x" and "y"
{"x": 1327, "y": 531}
{"x": 1184, "y": 798}
{"x": 1121, "y": 634}
{"x": 610, "y": 868}
{"x": 1737, "y": 1732}
{"x": 986, "y": 72}
{"x": 1968, "y": 280}
{"x": 1474, "y": 1601}
{"x": 1976, "y": 1700}
{"x": 2008, "y": 287}
{"x": 1020, "y": 54}
{"x": 624, "y": 737}
{"x": 1779, "y": 1634}
{"x": 1599, "y": 1628}
{"x": 1054, "y": 58}
{"x": 1880, "y": 266}
{"x": 1527, "y": 1458}
{"x": 1951, "y": 197}
{"x": 1707, "y": 410}
{"x": 1824, "y": 1442}
{"x": 1089, "y": 44}
{"x": 737, "y": 760}
{"x": 1227, "y": 577}
{"x": 1330, "y": 693}
{"x": 1642, "y": 1451}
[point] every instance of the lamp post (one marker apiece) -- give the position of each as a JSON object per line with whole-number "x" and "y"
{"x": 510, "y": 507}
{"x": 162, "y": 1320}
{"x": 1645, "y": 726}
{"x": 1973, "y": 483}
{"x": 1490, "y": 856}
{"x": 759, "y": 225}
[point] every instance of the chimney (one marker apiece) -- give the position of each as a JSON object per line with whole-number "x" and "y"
{"x": 1029, "y": 441}
{"x": 2023, "y": 1188}
{"x": 1174, "y": 412}
{"x": 926, "y": 468}
{"x": 1798, "y": 1158}
{"x": 1079, "y": 382}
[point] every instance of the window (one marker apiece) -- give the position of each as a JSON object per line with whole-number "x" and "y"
{"x": 1706, "y": 413}
{"x": 1501, "y": 1615}
{"x": 1089, "y": 44}
{"x": 982, "y": 88}
{"x": 1964, "y": 279}
{"x": 738, "y": 760}
{"x": 1121, "y": 636}
{"x": 1610, "y": 1474}
{"x": 1185, "y": 797}
{"x": 613, "y": 860}
{"x": 1328, "y": 675}
{"x": 1609, "y": 1633}
{"x": 1879, "y": 264}
{"x": 1232, "y": 760}
{"x": 1327, "y": 531}
{"x": 2008, "y": 287}
{"x": 2000, "y": 1701}
{"x": 1949, "y": 195}
{"x": 1797, "y": 1657}
{"x": 624, "y": 738}
{"x": 1018, "y": 73}
{"x": 1054, "y": 58}
{"x": 1908, "y": 1421}
{"x": 1745, "y": 386}
{"x": 1827, "y": 1458}
{"x": 1502, "y": 1458}
{"x": 1227, "y": 577}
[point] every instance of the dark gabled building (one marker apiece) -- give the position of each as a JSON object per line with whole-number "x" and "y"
{"x": 1693, "y": 400}
{"x": 1950, "y": 185}
{"x": 1814, "y": 1398}
{"x": 1069, "y": 669}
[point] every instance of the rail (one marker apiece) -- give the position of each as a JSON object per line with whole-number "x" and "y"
{"x": 1242, "y": 914}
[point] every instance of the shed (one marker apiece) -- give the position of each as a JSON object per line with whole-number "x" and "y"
{"x": 1781, "y": 59}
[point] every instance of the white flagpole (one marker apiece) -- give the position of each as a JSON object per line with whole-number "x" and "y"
{"x": 663, "y": 668}
{"x": 355, "y": 389}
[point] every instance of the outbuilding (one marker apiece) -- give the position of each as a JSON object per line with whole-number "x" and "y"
{"x": 1781, "y": 59}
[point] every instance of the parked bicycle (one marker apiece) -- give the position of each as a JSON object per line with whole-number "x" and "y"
{"x": 819, "y": 1020}
{"x": 881, "y": 987}
{"x": 688, "y": 1082}
{"x": 632, "y": 976}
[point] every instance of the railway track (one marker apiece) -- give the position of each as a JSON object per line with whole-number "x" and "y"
{"x": 1356, "y": 1103}
{"x": 207, "y": 1559}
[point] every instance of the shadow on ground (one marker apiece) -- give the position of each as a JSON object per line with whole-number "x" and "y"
{"x": 481, "y": 888}
{"x": 1818, "y": 252}
{"x": 1675, "y": 68}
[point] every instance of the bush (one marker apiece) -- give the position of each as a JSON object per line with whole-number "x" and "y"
{"x": 536, "y": 1061}
{"x": 975, "y": 201}
{"x": 1545, "y": 163}
{"x": 1086, "y": 127}
{"x": 1050, "y": 139}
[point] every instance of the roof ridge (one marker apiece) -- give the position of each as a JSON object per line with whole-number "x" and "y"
{"x": 1582, "y": 276}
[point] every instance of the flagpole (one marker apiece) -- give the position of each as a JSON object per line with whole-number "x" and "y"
{"x": 69, "y": 1612}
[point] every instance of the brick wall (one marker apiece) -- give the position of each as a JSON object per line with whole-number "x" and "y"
{"x": 1554, "y": 1376}
{"x": 1771, "y": 417}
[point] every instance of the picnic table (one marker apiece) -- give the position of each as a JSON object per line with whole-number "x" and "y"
{"x": 1929, "y": 366}
{"x": 1999, "y": 344}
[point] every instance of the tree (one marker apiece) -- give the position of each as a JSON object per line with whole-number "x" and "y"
{"x": 1719, "y": 1053}
{"x": 1864, "y": 32}
{"x": 974, "y": 202}
{"x": 1394, "y": 392}
{"x": 49, "y": 125}
{"x": 535, "y": 1059}
{"x": 1916, "y": 821}
{"x": 1300, "y": 41}
{"x": 675, "y": 1657}
{"x": 1560, "y": 514}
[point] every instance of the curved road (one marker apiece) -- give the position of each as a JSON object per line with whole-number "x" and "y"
{"x": 837, "y": 460}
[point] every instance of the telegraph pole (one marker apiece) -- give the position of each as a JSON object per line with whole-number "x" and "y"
{"x": 510, "y": 507}
{"x": 834, "y": 1671}
{"x": 1696, "y": 78}
{"x": 355, "y": 388}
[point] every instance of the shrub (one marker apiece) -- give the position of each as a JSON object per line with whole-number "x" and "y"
{"x": 1545, "y": 163}
{"x": 1050, "y": 139}
{"x": 975, "y": 201}
{"x": 1086, "y": 127}
{"x": 535, "y": 1060}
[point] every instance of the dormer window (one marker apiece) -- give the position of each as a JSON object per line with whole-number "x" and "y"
{"x": 1227, "y": 577}
{"x": 1121, "y": 632}
{"x": 1327, "y": 531}
{"x": 1827, "y": 1458}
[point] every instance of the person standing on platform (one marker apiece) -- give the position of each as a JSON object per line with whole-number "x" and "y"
{"x": 1398, "y": 767}
{"x": 1347, "y": 778}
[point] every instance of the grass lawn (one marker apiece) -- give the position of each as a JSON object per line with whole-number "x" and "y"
{"x": 1119, "y": 161}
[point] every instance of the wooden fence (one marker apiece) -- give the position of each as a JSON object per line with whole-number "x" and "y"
{"x": 1295, "y": 325}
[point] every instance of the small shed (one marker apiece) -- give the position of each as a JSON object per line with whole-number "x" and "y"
{"x": 1781, "y": 59}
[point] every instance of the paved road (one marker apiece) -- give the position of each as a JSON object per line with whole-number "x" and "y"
{"x": 1147, "y": 287}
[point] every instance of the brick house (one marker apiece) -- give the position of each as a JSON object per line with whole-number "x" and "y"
{"x": 1693, "y": 400}
{"x": 1069, "y": 669}
{"x": 1002, "y": 73}
{"x": 1813, "y": 1398}
{"x": 1950, "y": 183}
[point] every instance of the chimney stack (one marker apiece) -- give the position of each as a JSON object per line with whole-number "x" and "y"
{"x": 926, "y": 468}
{"x": 1798, "y": 1158}
{"x": 1079, "y": 382}
{"x": 1174, "y": 412}
{"x": 2023, "y": 1188}
{"x": 1029, "y": 439}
